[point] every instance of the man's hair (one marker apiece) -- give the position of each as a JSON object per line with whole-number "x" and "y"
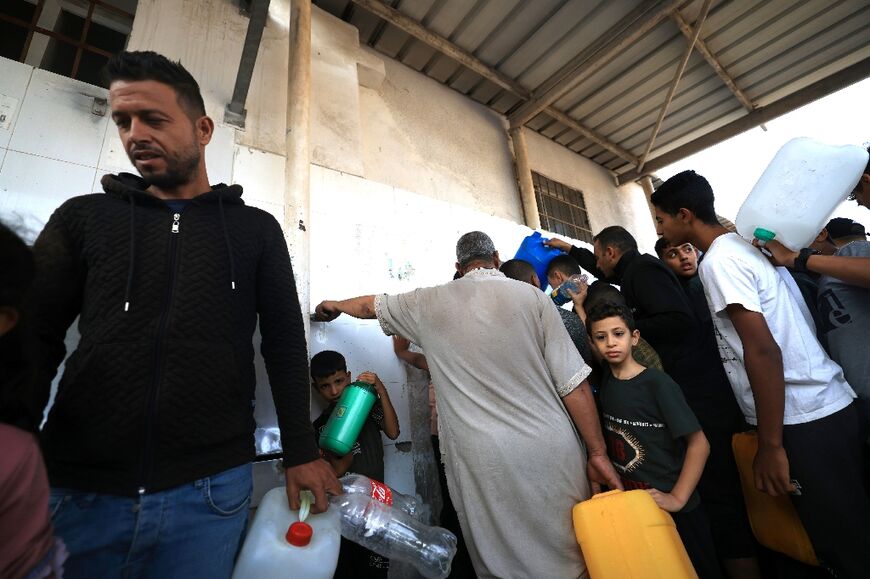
{"x": 616, "y": 236}
{"x": 518, "y": 269}
{"x": 148, "y": 65}
{"x": 599, "y": 292}
{"x": 866, "y": 172}
{"x": 327, "y": 363}
{"x": 564, "y": 264}
{"x": 474, "y": 246}
{"x": 608, "y": 309}
{"x": 661, "y": 245}
{"x": 686, "y": 190}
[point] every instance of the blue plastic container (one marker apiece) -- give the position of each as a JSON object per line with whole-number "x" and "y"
{"x": 533, "y": 250}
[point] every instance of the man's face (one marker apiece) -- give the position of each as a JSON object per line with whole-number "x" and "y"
{"x": 331, "y": 387}
{"x": 682, "y": 259}
{"x": 606, "y": 258}
{"x": 158, "y": 136}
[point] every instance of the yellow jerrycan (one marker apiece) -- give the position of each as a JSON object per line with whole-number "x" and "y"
{"x": 774, "y": 521}
{"x": 625, "y": 535}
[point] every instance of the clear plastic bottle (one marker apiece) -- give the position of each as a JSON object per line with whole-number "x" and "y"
{"x": 574, "y": 283}
{"x": 396, "y": 535}
{"x": 358, "y": 484}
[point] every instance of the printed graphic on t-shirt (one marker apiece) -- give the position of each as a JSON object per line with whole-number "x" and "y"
{"x": 625, "y": 450}
{"x": 832, "y": 311}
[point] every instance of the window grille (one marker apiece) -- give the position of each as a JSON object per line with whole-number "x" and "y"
{"x": 562, "y": 209}
{"x": 75, "y": 41}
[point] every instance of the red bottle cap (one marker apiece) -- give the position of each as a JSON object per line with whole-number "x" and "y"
{"x": 299, "y": 534}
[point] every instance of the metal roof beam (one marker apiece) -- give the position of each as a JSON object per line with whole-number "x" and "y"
{"x": 609, "y": 45}
{"x": 711, "y": 59}
{"x": 465, "y": 58}
{"x": 441, "y": 44}
{"x": 705, "y": 9}
{"x": 821, "y": 88}
{"x": 592, "y": 136}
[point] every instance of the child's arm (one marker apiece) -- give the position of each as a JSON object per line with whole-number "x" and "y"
{"x": 697, "y": 451}
{"x": 763, "y": 360}
{"x": 401, "y": 348}
{"x": 390, "y": 422}
{"x": 340, "y": 464}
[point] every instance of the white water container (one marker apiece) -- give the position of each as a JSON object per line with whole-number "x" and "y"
{"x": 799, "y": 190}
{"x": 267, "y": 552}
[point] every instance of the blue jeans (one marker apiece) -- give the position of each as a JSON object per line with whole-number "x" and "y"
{"x": 190, "y": 531}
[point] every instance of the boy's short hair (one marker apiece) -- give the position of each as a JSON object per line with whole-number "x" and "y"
{"x": 599, "y": 292}
{"x": 607, "y": 309}
{"x": 327, "y": 363}
{"x": 517, "y": 269}
{"x": 564, "y": 264}
{"x": 148, "y": 65}
{"x": 661, "y": 245}
{"x": 686, "y": 190}
{"x": 616, "y": 236}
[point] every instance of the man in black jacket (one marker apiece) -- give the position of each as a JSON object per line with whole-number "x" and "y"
{"x": 150, "y": 440}
{"x": 652, "y": 292}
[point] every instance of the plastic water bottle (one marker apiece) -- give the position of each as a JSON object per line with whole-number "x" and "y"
{"x": 282, "y": 543}
{"x": 574, "y": 283}
{"x": 799, "y": 190}
{"x": 358, "y": 484}
{"x": 396, "y": 535}
{"x": 347, "y": 419}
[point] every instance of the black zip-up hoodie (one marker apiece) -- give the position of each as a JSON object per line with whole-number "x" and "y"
{"x": 160, "y": 390}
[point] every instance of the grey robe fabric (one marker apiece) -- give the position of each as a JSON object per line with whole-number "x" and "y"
{"x": 500, "y": 359}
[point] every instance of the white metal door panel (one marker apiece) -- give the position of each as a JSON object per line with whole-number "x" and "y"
{"x": 56, "y": 120}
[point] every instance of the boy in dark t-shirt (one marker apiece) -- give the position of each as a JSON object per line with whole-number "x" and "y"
{"x": 653, "y": 438}
{"x": 330, "y": 377}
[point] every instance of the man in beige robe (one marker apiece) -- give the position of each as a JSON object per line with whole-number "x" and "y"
{"x": 511, "y": 389}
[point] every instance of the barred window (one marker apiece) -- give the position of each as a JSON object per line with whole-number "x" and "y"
{"x": 73, "y": 38}
{"x": 561, "y": 208}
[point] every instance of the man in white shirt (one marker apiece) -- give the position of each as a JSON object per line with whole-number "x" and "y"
{"x": 809, "y": 429}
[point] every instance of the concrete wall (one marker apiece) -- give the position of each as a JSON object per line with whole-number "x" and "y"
{"x": 606, "y": 204}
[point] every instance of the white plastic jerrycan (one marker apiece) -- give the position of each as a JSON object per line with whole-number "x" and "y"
{"x": 799, "y": 190}
{"x": 282, "y": 543}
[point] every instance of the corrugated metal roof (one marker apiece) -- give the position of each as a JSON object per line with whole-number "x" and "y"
{"x": 593, "y": 75}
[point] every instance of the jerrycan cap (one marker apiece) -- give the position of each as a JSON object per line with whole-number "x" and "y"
{"x": 762, "y": 234}
{"x": 299, "y": 534}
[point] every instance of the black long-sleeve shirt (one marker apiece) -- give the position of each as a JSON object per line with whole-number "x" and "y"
{"x": 160, "y": 389}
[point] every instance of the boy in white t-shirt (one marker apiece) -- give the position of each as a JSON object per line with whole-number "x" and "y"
{"x": 809, "y": 430}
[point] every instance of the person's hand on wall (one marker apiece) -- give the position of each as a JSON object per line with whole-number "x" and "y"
{"x": 326, "y": 311}
{"x": 558, "y": 244}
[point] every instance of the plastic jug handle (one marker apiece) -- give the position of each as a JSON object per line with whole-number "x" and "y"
{"x": 305, "y": 499}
